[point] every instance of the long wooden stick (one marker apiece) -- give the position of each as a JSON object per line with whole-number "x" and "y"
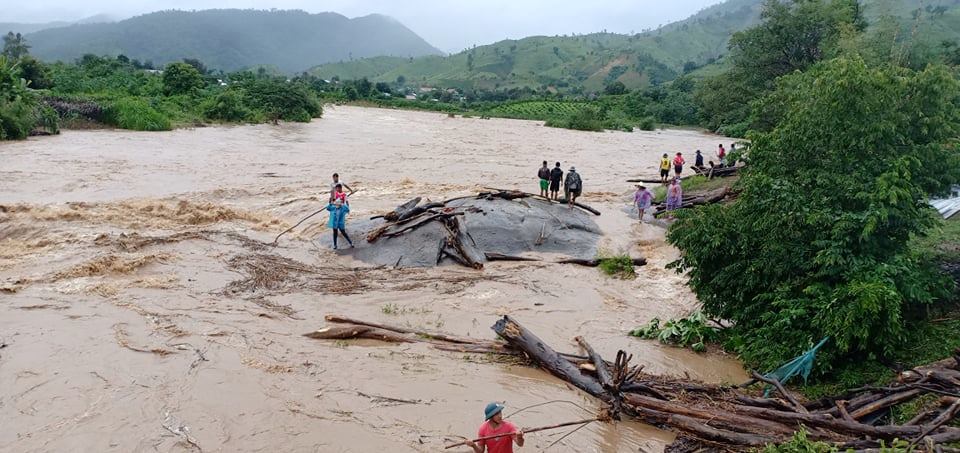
{"x": 298, "y": 224}
{"x": 526, "y": 431}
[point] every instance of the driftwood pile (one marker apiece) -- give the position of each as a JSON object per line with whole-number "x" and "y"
{"x": 689, "y": 201}
{"x": 713, "y": 417}
{"x": 455, "y": 241}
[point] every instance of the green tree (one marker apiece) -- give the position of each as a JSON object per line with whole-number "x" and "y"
{"x": 181, "y": 78}
{"x": 816, "y": 244}
{"x": 34, "y": 72}
{"x": 615, "y": 88}
{"x": 14, "y": 46}
{"x": 791, "y": 37}
{"x": 281, "y": 100}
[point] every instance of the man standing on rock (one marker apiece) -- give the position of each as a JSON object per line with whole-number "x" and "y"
{"x": 544, "y": 174}
{"x": 497, "y": 434}
{"x": 573, "y": 186}
{"x": 556, "y": 176}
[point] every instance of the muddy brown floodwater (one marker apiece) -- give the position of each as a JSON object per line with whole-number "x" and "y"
{"x": 132, "y": 318}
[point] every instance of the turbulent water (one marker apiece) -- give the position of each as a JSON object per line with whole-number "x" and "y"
{"x": 143, "y": 309}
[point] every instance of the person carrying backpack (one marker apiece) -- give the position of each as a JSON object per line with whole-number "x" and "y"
{"x": 573, "y": 186}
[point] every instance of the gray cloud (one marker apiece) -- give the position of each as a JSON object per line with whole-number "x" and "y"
{"x": 451, "y": 25}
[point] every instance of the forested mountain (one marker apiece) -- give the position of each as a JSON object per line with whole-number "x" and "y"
{"x": 589, "y": 62}
{"x": 232, "y": 39}
{"x": 24, "y": 28}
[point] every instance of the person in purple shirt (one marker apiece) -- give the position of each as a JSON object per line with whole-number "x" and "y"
{"x": 643, "y": 199}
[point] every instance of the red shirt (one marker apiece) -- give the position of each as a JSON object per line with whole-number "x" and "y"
{"x": 503, "y": 444}
{"x": 678, "y": 161}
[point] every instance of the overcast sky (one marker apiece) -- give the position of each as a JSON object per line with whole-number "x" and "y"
{"x": 450, "y": 25}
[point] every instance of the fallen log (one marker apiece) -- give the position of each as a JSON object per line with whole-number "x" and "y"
{"x": 542, "y": 354}
{"x": 355, "y": 331}
{"x": 394, "y": 215}
{"x": 421, "y": 333}
{"x": 493, "y": 256}
{"x": 581, "y": 206}
{"x": 707, "y": 433}
{"x": 418, "y": 210}
{"x": 596, "y": 262}
{"x": 460, "y": 240}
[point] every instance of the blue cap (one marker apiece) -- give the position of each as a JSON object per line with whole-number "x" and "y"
{"x": 491, "y": 410}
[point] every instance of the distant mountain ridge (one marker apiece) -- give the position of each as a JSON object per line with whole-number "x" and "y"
{"x": 232, "y": 39}
{"x": 591, "y": 61}
{"x": 24, "y": 28}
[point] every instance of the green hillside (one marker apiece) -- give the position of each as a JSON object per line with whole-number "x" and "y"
{"x": 589, "y": 62}
{"x": 231, "y": 39}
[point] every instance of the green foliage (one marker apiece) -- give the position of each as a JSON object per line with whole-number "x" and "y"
{"x": 181, "y": 78}
{"x": 585, "y": 119}
{"x": 615, "y": 88}
{"x": 282, "y": 100}
{"x": 17, "y": 104}
{"x": 816, "y": 244}
{"x": 692, "y": 331}
{"x": 648, "y": 124}
{"x": 35, "y": 73}
{"x": 14, "y": 46}
{"x": 792, "y": 37}
{"x": 227, "y": 106}
{"x": 801, "y": 444}
{"x": 135, "y": 114}
{"x": 620, "y": 266}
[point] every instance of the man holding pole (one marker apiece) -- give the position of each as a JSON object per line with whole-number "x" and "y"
{"x": 496, "y": 435}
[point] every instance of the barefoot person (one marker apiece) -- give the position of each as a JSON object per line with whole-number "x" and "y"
{"x": 722, "y": 155}
{"x": 338, "y": 220}
{"x": 573, "y": 186}
{"x": 506, "y": 432}
{"x": 643, "y": 199}
{"x": 556, "y": 176}
{"x": 544, "y": 174}
{"x": 333, "y": 186}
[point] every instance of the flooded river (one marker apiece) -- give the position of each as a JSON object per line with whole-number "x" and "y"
{"x": 125, "y": 323}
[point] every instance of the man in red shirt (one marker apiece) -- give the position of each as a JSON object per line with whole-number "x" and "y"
{"x": 505, "y": 433}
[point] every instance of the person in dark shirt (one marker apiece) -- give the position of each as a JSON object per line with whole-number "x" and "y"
{"x": 544, "y": 174}
{"x": 556, "y": 177}
{"x": 699, "y": 160}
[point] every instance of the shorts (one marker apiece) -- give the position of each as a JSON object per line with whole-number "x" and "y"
{"x": 554, "y": 186}
{"x": 678, "y": 168}
{"x": 575, "y": 193}
{"x": 544, "y": 184}
{"x": 664, "y": 172}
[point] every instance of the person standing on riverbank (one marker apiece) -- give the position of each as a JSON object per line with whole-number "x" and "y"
{"x": 674, "y": 197}
{"x": 573, "y": 186}
{"x": 338, "y": 220}
{"x": 556, "y": 176}
{"x": 642, "y": 198}
{"x": 698, "y": 161}
{"x": 494, "y": 425}
{"x": 544, "y": 174}
{"x": 678, "y": 164}
{"x": 333, "y": 186}
{"x": 722, "y": 155}
{"x": 664, "y": 168}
